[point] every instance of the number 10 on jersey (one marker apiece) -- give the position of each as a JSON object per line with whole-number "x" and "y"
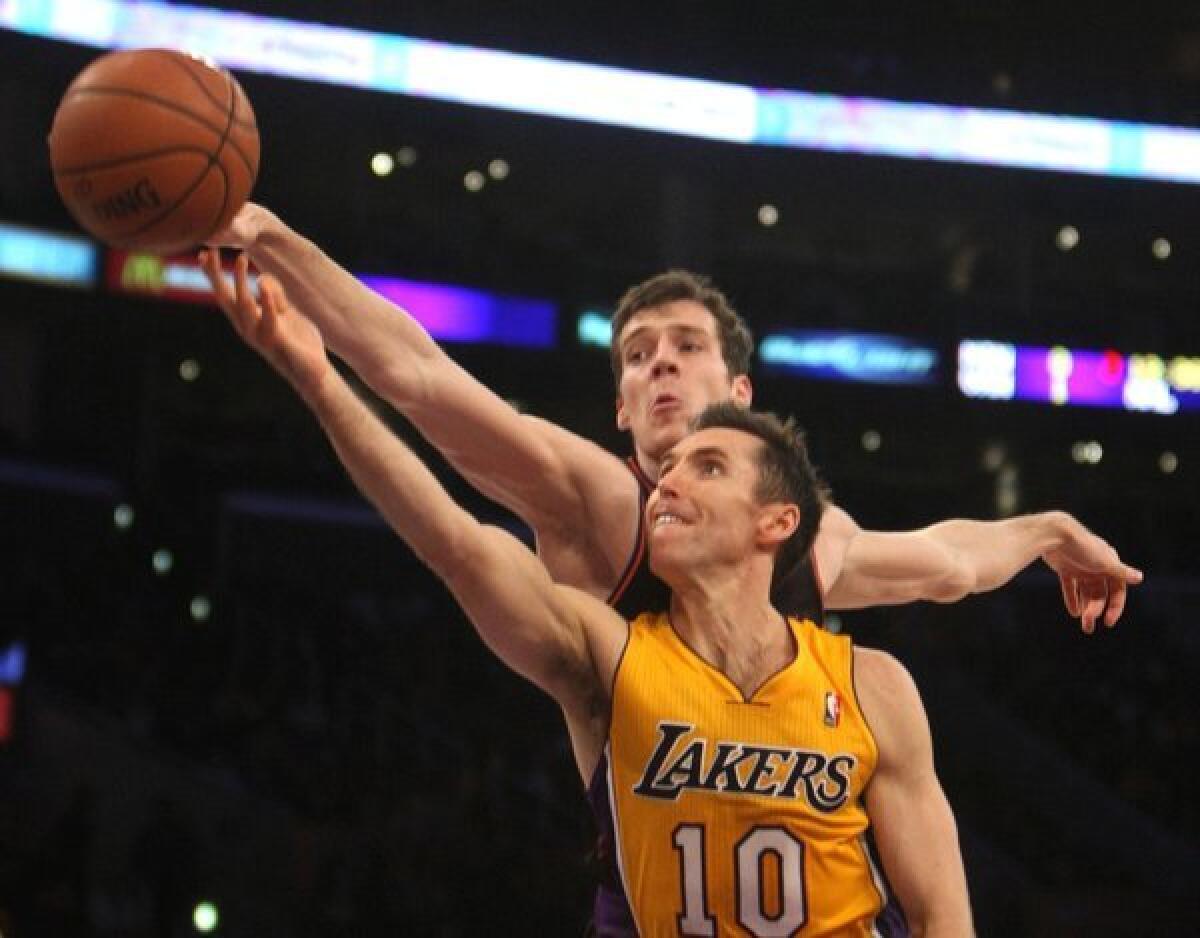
{"x": 764, "y": 852}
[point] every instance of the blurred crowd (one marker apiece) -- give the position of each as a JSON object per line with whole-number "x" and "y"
{"x": 323, "y": 757}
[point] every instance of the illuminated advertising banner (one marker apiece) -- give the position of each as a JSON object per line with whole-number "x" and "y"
{"x": 448, "y": 313}
{"x": 850, "y": 356}
{"x": 694, "y": 107}
{"x": 179, "y": 278}
{"x": 459, "y": 314}
{"x": 1084, "y": 377}
{"x": 46, "y": 257}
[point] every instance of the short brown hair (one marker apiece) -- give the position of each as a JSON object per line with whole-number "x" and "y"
{"x": 785, "y": 472}
{"x": 737, "y": 344}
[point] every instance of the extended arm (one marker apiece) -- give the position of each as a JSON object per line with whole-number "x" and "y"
{"x": 578, "y": 498}
{"x": 541, "y": 630}
{"x": 913, "y": 824}
{"x": 952, "y": 559}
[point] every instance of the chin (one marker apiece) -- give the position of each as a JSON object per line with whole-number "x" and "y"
{"x": 666, "y": 435}
{"x": 662, "y": 564}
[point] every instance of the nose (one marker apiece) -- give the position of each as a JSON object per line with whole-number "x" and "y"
{"x": 664, "y": 359}
{"x": 668, "y": 486}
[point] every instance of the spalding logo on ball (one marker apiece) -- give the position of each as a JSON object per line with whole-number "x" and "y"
{"x": 154, "y": 150}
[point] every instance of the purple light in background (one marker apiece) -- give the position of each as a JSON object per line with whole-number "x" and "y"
{"x": 1072, "y": 376}
{"x": 459, "y": 314}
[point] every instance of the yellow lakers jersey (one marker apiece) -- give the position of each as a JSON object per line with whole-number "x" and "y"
{"x": 735, "y": 816}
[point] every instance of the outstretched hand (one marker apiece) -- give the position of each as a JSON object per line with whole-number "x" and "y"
{"x": 1095, "y": 582}
{"x": 289, "y": 342}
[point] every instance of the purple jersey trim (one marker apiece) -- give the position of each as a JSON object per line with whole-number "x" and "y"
{"x": 611, "y": 915}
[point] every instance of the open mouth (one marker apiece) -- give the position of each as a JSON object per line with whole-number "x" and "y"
{"x": 664, "y": 403}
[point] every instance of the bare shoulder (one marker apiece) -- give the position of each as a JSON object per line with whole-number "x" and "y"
{"x": 589, "y": 542}
{"x": 580, "y": 455}
{"x": 836, "y": 531}
{"x": 880, "y": 672}
{"x": 890, "y": 702}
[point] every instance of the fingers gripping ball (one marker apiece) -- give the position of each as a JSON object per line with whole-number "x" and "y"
{"x": 154, "y": 149}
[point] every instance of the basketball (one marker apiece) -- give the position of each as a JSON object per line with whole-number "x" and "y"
{"x": 154, "y": 150}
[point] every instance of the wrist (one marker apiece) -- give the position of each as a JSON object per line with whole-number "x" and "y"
{"x": 319, "y": 389}
{"x": 1055, "y": 530}
{"x": 261, "y": 227}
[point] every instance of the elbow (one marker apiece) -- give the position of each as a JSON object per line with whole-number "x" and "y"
{"x": 451, "y": 555}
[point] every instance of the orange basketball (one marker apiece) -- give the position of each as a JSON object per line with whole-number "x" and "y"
{"x": 154, "y": 150}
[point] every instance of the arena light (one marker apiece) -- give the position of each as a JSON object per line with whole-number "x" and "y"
{"x": 622, "y": 97}
{"x": 205, "y": 917}
{"x": 162, "y": 561}
{"x": 123, "y": 517}
{"x": 382, "y": 164}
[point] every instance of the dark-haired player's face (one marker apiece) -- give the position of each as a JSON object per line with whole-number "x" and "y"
{"x": 672, "y": 368}
{"x": 705, "y": 511}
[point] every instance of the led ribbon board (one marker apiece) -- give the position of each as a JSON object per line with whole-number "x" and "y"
{"x": 1085, "y": 377}
{"x": 47, "y": 257}
{"x": 621, "y": 97}
{"x": 850, "y": 356}
{"x": 179, "y": 278}
{"x": 448, "y": 313}
{"x": 459, "y": 314}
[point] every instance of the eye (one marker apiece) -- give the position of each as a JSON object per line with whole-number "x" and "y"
{"x": 633, "y": 356}
{"x": 711, "y": 467}
{"x": 690, "y": 345}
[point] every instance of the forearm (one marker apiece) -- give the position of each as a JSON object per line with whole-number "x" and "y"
{"x": 380, "y": 341}
{"x": 503, "y": 588}
{"x": 985, "y": 555}
{"x": 389, "y": 475}
{"x": 507, "y": 457}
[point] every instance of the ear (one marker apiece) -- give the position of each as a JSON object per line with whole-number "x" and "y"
{"x": 742, "y": 391}
{"x": 777, "y": 522}
{"x": 622, "y": 415}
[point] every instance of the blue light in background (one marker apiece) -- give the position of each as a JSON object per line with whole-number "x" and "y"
{"x": 850, "y": 356}
{"x": 12, "y": 664}
{"x": 594, "y": 328}
{"x": 63, "y": 260}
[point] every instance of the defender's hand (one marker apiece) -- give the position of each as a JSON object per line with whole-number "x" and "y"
{"x": 268, "y": 324}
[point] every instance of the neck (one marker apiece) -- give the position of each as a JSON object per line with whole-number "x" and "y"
{"x": 731, "y": 624}
{"x": 647, "y": 464}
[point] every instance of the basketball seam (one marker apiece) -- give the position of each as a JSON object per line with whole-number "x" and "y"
{"x": 174, "y": 205}
{"x": 213, "y": 226}
{"x": 169, "y": 105}
{"x": 213, "y": 163}
{"x": 112, "y": 164}
{"x": 185, "y": 63}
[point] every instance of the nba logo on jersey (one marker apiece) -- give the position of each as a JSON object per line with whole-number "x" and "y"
{"x": 833, "y": 708}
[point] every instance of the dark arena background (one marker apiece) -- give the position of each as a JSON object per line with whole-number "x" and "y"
{"x": 231, "y": 702}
